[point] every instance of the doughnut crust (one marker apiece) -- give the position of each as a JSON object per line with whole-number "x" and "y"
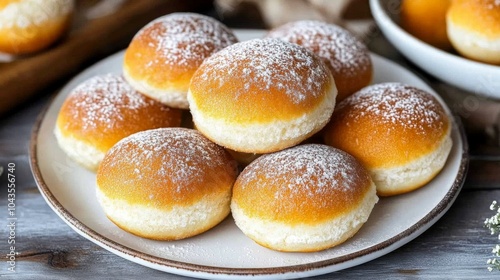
{"x": 28, "y": 26}
{"x": 166, "y": 183}
{"x": 306, "y": 198}
{"x": 474, "y": 29}
{"x": 347, "y": 57}
{"x": 261, "y": 95}
{"x": 426, "y": 20}
{"x": 400, "y": 133}
{"x": 164, "y": 54}
{"x": 101, "y": 111}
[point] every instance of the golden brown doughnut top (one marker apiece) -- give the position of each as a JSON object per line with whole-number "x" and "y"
{"x": 170, "y": 48}
{"x": 260, "y": 80}
{"x": 165, "y": 167}
{"x": 340, "y": 49}
{"x": 105, "y": 108}
{"x": 388, "y": 124}
{"x": 479, "y": 16}
{"x": 305, "y": 184}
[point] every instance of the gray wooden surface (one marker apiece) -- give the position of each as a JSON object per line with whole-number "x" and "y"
{"x": 456, "y": 247}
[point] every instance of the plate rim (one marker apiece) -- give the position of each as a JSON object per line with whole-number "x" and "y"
{"x": 187, "y": 269}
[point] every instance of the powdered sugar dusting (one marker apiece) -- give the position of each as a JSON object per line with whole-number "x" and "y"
{"x": 399, "y": 104}
{"x": 102, "y": 100}
{"x": 264, "y": 66}
{"x": 182, "y": 155}
{"x": 25, "y": 13}
{"x": 183, "y": 39}
{"x": 337, "y": 46}
{"x": 313, "y": 169}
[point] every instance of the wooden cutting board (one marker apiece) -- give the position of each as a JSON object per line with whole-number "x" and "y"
{"x": 88, "y": 41}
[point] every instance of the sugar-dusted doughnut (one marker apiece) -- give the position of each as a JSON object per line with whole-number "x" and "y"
{"x": 101, "y": 111}
{"x": 346, "y": 56}
{"x": 400, "y": 133}
{"x": 166, "y": 183}
{"x": 261, "y": 95}
{"x": 306, "y": 198}
{"x": 28, "y": 26}
{"x": 474, "y": 29}
{"x": 426, "y": 20}
{"x": 164, "y": 54}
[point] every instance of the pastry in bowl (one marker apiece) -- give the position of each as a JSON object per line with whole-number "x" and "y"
{"x": 426, "y": 20}
{"x": 474, "y": 29}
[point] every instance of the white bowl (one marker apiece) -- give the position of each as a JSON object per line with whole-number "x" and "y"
{"x": 474, "y": 77}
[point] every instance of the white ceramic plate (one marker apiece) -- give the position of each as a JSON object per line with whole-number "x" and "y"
{"x": 225, "y": 252}
{"x": 474, "y": 77}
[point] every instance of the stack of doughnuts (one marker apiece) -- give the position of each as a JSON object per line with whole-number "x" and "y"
{"x": 267, "y": 96}
{"x": 258, "y": 102}
{"x": 126, "y": 127}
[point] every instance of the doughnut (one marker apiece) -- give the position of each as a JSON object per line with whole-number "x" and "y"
{"x": 303, "y": 199}
{"x": 101, "y": 111}
{"x": 28, "y": 26}
{"x": 474, "y": 29}
{"x": 261, "y": 95}
{"x": 166, "y": 183}
{"x": 164, "y": 54}
{"x": 426, "y": 20}
{"x": 400, "y": 133}
{"x": 347, "y": 57}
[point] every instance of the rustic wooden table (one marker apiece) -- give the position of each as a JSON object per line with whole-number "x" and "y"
{"x": 456, "y": 247}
